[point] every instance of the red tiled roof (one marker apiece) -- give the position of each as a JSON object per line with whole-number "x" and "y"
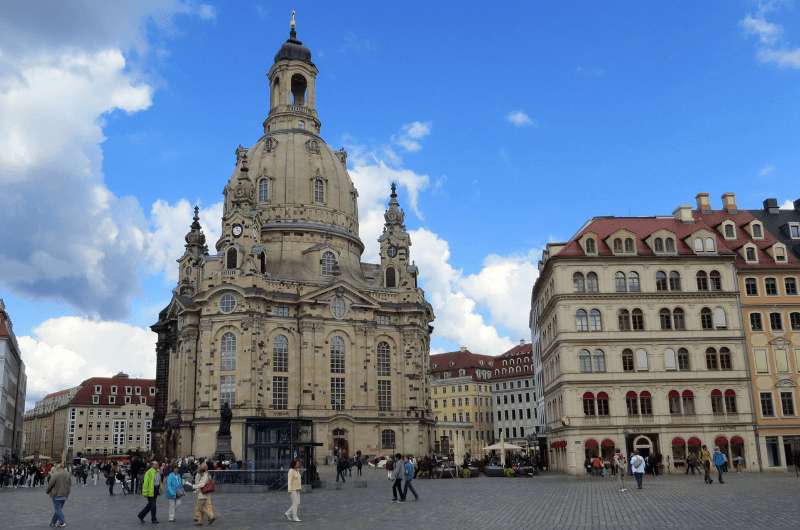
{"x": 520, "y": 350}
{"x": 58, "y": 393}
{"x": 455, "y": 360}
{"x": 86, "y": 391}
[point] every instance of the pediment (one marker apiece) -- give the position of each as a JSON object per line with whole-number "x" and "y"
{"x": 780, "y": 342}
{"x": 785, "y": 383}
{"x": 320, "y": 247}
{"x": 325, "y": 294}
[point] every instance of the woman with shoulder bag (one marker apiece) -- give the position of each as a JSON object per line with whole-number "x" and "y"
{"x": 204, "y": 487}
{"x": 174, "y": 491}
{"x": 294, "y": 486}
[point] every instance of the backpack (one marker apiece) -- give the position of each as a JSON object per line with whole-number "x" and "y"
{"x": 390, "y": 465}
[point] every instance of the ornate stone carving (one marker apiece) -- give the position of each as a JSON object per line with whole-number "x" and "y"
{"x": 341, "y": 154}
{"x": 313, "y": 146}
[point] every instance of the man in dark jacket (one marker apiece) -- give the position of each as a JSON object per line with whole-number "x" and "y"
{"x": 58, "y": 489}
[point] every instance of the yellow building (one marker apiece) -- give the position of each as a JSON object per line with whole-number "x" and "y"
{"x": 461, "y": 399}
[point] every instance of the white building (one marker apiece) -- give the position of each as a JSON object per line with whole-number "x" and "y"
{"x": 514, "y": 395}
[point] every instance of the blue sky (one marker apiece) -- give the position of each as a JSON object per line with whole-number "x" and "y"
{"x": 524, "y": 120}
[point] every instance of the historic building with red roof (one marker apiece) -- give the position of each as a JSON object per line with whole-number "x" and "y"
{"x": 514, "y": 396}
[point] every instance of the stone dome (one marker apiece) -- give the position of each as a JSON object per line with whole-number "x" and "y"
{"x": 293, "y": 49}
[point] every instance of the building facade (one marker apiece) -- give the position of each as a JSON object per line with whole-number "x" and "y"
{"x": 638, "y": 326}
{"x": 514, "y": 396}
{"x": 12, "y": 390}
{"x": 284, "y": 323}
{"x": 101, "y": 417}
{"x": 462, "y": 402}
{"x": 769, "y": 280}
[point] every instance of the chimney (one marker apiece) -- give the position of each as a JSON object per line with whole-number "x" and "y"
{"x": 729, "y": 202}
{"x": 797, "y": 205}
{"x": 463, "y": 348}
{"x": 522, "y": 342}
{"x": 683, "y": 213}
{"x": 771, "y": 206}
{"x": 703, "y": 204}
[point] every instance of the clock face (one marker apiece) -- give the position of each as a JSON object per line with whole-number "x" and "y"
{"x": 236, "y": 230}
{"x": 392, "y": 251}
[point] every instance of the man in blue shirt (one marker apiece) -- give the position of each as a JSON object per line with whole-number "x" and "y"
{"x": 409, "y": 476}
{"x": 719, "y": 462}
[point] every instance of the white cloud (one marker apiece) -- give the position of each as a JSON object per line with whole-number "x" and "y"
{"x": 519, "y": 118}
{"x": 63, "y": 69}
{"x": 206, "y": 11}
{"x": 410, "y": 135}
{"x": 64, "y": 351}
{"x": 457, "y": 318}
{"x": 165, "y": 243}
{"x": 768, "y": 33}
{"x": 766, "y": 170}
{"x": 783, "y": 57}
{"x": 504, "y": 286}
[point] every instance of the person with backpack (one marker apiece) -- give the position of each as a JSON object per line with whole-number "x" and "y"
{"x": 720, "y": 460}
{"x": 409, "y": 476}
{"x": 150, "y": 492}
{"x": 691, "y": 463}
{"x": 396, "y": 477}
{"x": 637, "y": 468}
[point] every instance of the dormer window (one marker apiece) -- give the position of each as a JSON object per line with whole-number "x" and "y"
{"x": 709, "y": 245}
{"x": 670, "y": 245}
{"x": 698, "y": 244}
{"x": 617, "y": 246}
{"x": 98, "y": 389}
{"x": 658, "y": 244}
{"x": 591, "y": 247}
{"x": 629, "y": 245}
{"x": 779, "y": 253}
{"x": 729, "y": 230}
{"x": 794, "y": 230}
{"x": 757, "y": 231}
{"x": 750, "y": 254}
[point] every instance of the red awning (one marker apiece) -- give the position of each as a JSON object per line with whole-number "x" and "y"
{"x": 562, "y": 444}
{"x": 644, "y": 394}
{"x": 608, "y": 443}
{"x": 721, "y": 441}
{"x": 674, "y": 394}
{"x": 730, "y": 393}
{"x": 553, "y": 444}
{"x": 737, "y": 440}
{"x": 602, "y": 395}
{"x": 716, "y": 393}
{"x": 588, "y": 395}
{"x": 591, "y": 443}
{"x": 687, "y": 394}
{"x": 678, "y": 441}
{"x": 694, "y": 442}
{"x": 631, "y": 394}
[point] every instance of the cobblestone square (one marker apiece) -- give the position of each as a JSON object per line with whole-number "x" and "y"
{"x": 749, "y": 500}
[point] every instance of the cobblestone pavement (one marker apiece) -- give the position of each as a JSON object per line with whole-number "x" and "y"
{"x": 677, "y": 501}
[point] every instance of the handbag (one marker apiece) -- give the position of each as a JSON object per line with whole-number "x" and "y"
{"x": 180, "y": 493}
{"x": 208, "y": 487}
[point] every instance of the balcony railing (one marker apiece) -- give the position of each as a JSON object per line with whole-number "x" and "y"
{"x": 655, "y": 419}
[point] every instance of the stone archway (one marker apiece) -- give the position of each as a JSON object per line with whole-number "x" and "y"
{"x": 340, "y": 445}
{"x": 644, "y": 445}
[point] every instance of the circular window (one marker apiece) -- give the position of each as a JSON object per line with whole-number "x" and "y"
{"x": 338, "y": 307}
{"x": 227, "y": 303}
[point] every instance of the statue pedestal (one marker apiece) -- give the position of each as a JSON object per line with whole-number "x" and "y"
{"x": 223, "y": 450}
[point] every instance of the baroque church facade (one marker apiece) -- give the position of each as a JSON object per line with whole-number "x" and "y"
{"x": 315, "y": 352}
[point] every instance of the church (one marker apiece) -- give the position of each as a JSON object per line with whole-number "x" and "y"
{"x": 315, "y": 352}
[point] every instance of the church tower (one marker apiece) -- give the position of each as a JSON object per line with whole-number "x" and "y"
{"x": 284, "y": 323}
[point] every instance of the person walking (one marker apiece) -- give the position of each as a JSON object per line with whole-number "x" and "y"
{"x": 58, "y": 488}
{"x": 705, "y": 461}
{"x": 620, "y": 463}
{"x": 691, "y": 462}
{"x": 111, "y": 477}
{"x": 637, "y": 468}
{"x": 294, "y": 486}
{"x": 174, "y": 491}
{"x": 409, "y": 477}
{"x": 150, "y": 491}
{"x": 719, "y": 460}
{"x": 204, "y": 486}
{"x": 397, "y": 479}
{"x": 359, "y": 462}
{"x": 341, "y": 467}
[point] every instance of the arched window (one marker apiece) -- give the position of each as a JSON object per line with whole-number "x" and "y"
{"x": 595, "y": 321}
{"x": 263, "y": 190}
{"x": 665, "y": 316}
{"x": 617, "y": 246}
{"x": 702, "y": 281}
{"x": 715, "y": 280}
{"x": 706, "y": 321}
{"x": 585, "y": 360}
{"x": 629, "y": 245}
{"x": 319, "y": 190}
{"x": 709, "y": 244}
{"x": 632, "y": 404}
{"x": 730, "y": 402}
{"x": 642, "y": 363}
{"x": 725, "y": 360}
{"x": 624, "y": 320}
{"x": 712, "y": 362}
{"x": 231, "y": 258}
{"x": 280, "y": 354}
{"x": 384, "y": 365}
{"x": 299, "y": 85}
{"x": 588, "y": 404}
{"x": 391, "y": 281}
{"x": 720, "y": 321}
{"x": 337, "y": 355}
{"x": 598, "y": 361}
{"x": 678, "y": 319}
{"x": 578, "y": 282}
{"x": 645, "y": 403}
{"x": 659, "y": 244}
{"x": 687, "y": 399}
{"x": 674, "y": 281}
{"x": 670, "y": 361}
{"x": 661, "y": 281}
{"x": 717, "y": 407}
{"x": 750, "y": 254}
{"x": 620, "y": 282}
{"x": 227, "y": 352}
{"x": 637, "y": 320}
{"x": 602, "y": 404}
{"x": 328, "y": 263}
{"x": 633, "y": 282}
{"x": 581, "y": 320}
{"x": 730, "y": 231}
{"x": 683, "y": 359}
{"x": 627, "y": 360}
{"x": 591, "y": 283}
{"x": 698, "y": 244}
{"x": 591, "y": 248}
{"x": 387, "y": 439}
{"x": 751, "y": 287}
{"x": 670, "y": 244}
{"x": 674, "y": 400}
{"x": 262, "y": 262}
